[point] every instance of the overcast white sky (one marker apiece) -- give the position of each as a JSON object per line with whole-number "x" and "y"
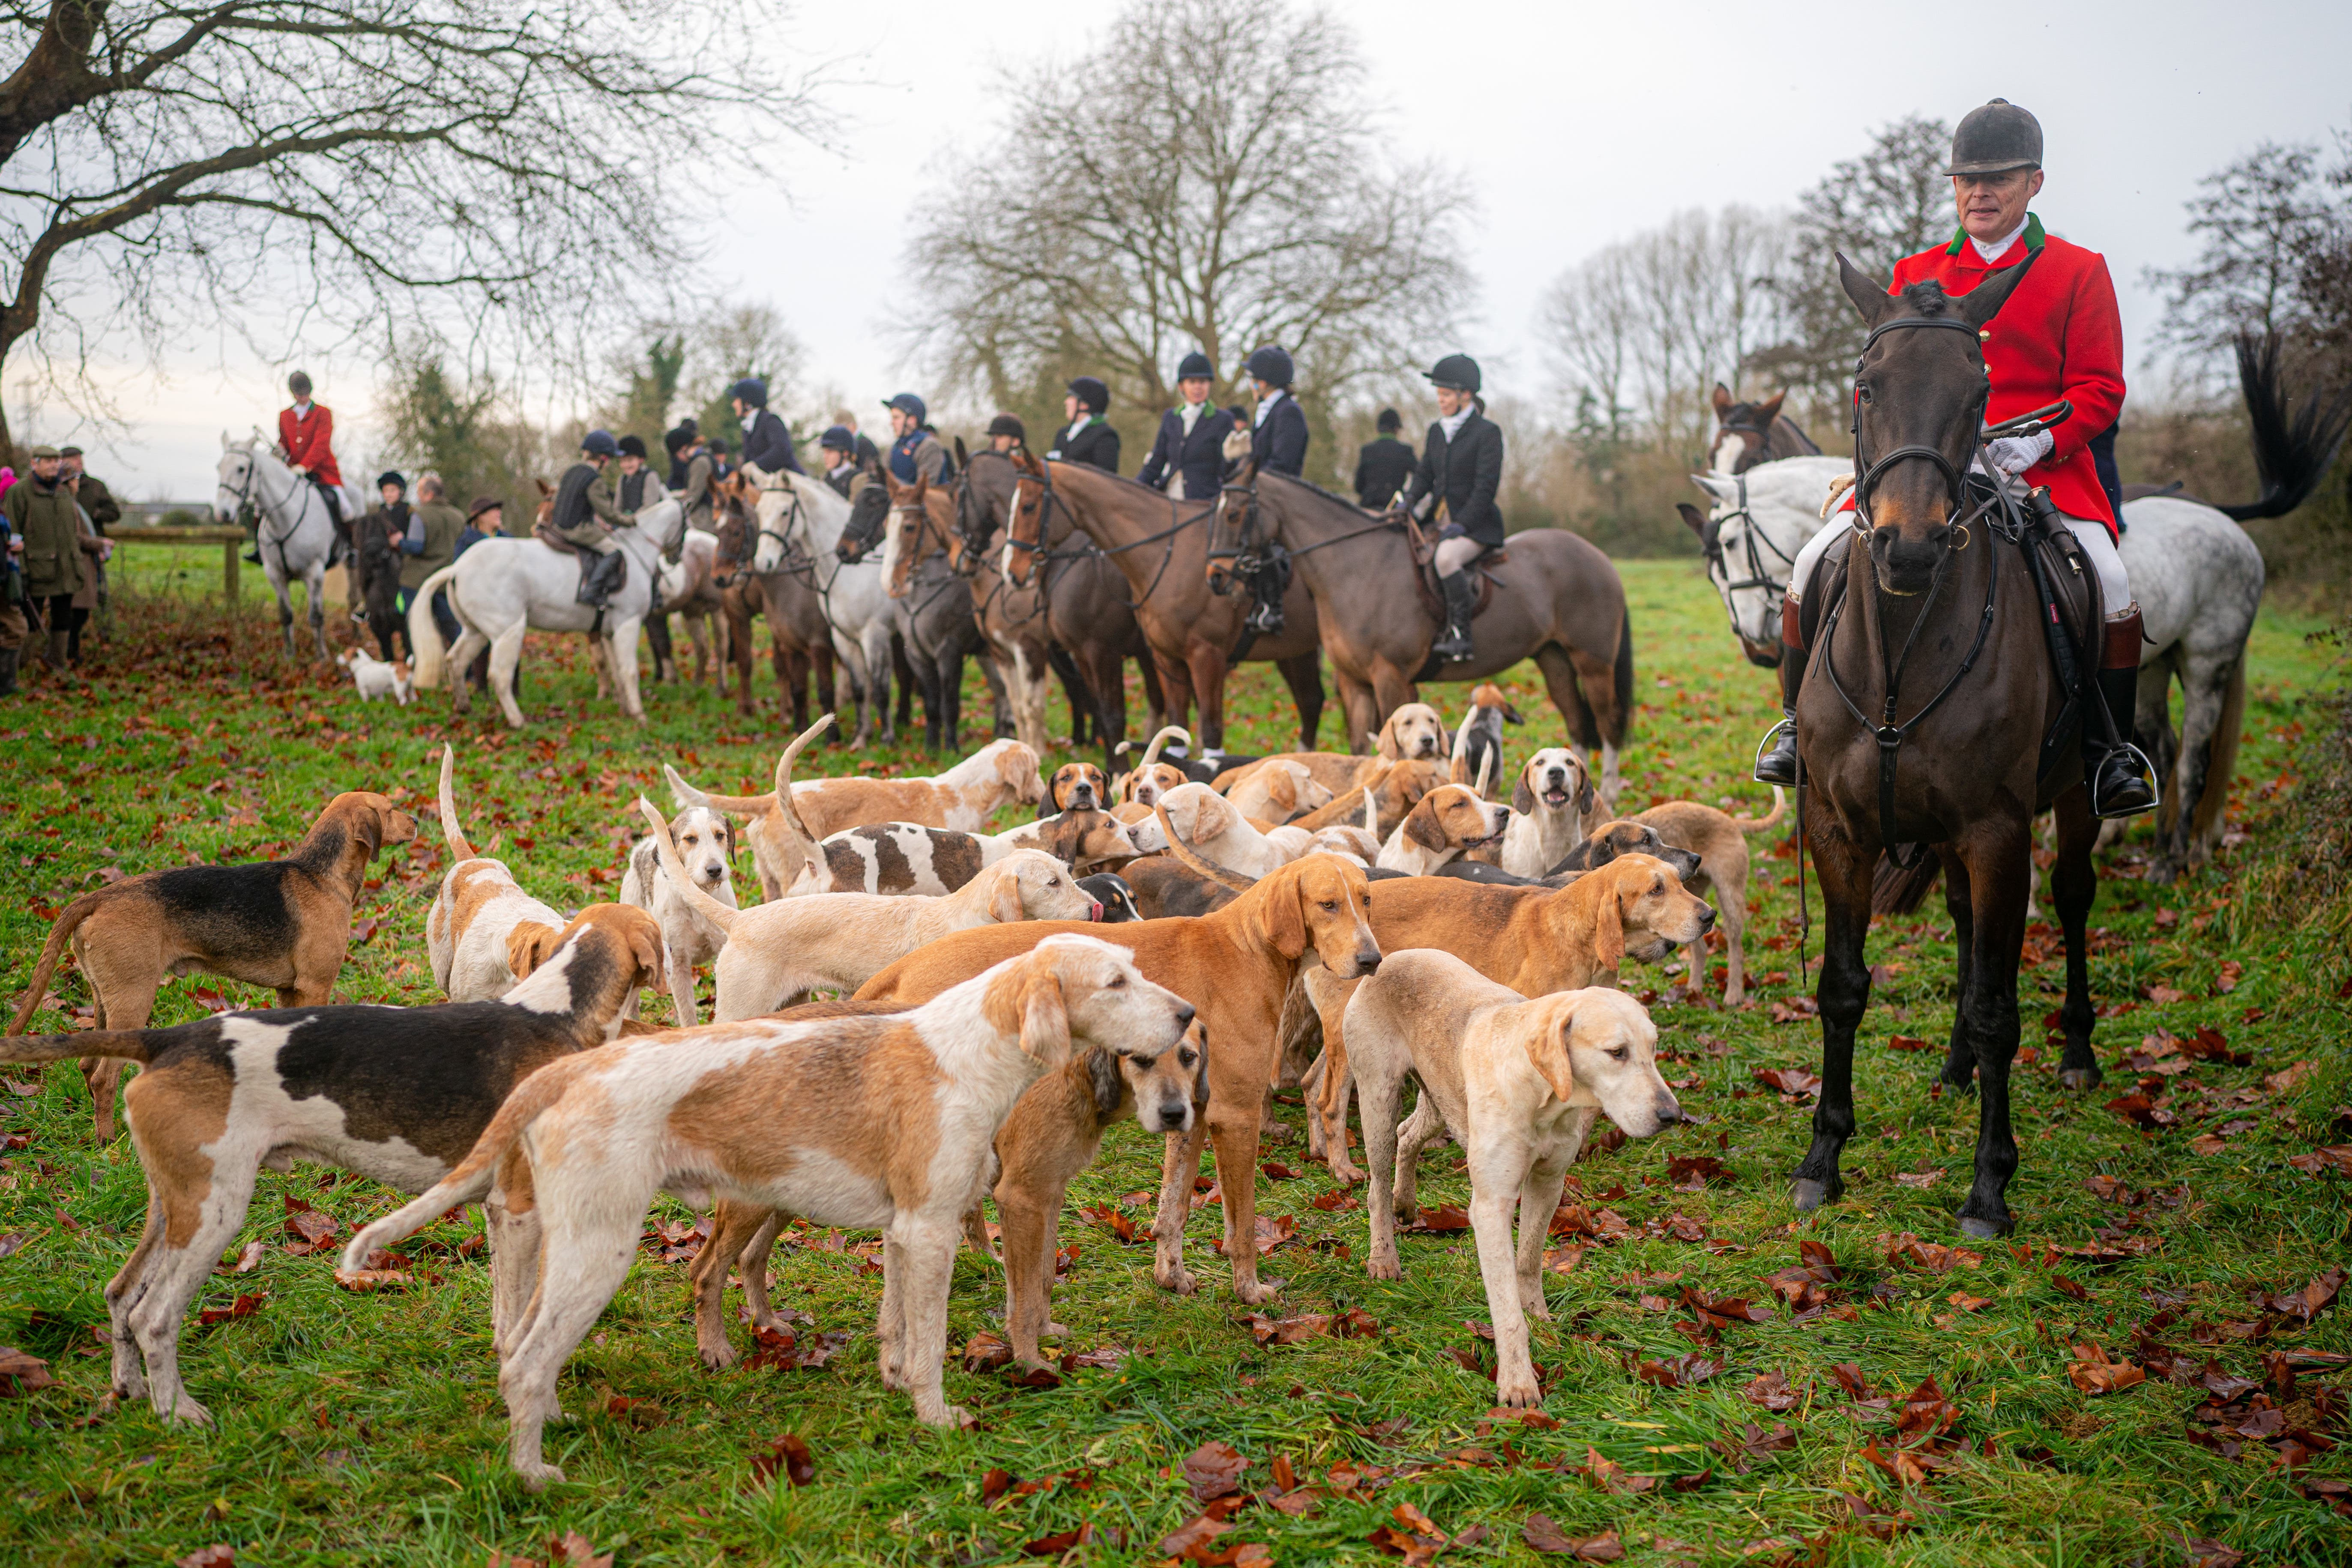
{"x": 1574, "y": 124}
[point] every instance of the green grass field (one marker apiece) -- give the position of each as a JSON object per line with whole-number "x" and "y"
{"x": 1920, "y": 1410}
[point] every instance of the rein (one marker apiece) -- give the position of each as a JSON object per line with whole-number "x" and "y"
{"x": 1759, "y": 574}
{"x": 1039, "y": 554}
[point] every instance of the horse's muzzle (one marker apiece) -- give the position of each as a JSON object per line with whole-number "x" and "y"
{"x": 1905, "y": 563}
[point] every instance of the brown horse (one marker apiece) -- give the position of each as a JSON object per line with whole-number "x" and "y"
{"x": 1073, "y": 617}
{"x": 1747, "y": 434}
{"x": 1557, "y": 600}
{"x": 1160, "y": 546}
{"x": 1939, "y": 620}
{"x": 800, "y": 640}
{"x": 930, "y": 603}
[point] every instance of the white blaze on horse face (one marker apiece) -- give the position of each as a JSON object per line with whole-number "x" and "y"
{"x": 770, "y": 551}
{"x": 1730, "y": 446}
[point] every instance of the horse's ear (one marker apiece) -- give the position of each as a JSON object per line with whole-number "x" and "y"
{"x": 961, "y": 456}
{"x": 1723, "y": 402}
{"x": 1770, "y": 409}
{"x": 1982, "y": 303}
{"x": 226, "y": 442}
{"x": 545, "y": 489}
{"x": 1868, "y": 298}
{"x": 1693, "y": 516}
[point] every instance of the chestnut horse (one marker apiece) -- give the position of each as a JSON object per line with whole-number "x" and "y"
{"x": 1073, "y": 618}
{"x": 1160, "y": 546}
{"x": 1941, "y": 620}
{"x": 1557, "y": 601}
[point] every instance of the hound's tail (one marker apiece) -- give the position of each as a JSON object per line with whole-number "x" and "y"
{"x": 1770, "y": 819}
{"x": 1338, "y": 813}
{"x": 470, "y": 1179}
{"x": 424, "y": 634}
{"x": 681, "y": 881}
{"x": 1172, "y": 732}
{"x": 60, "y": 933}
{"x": 458, "y": 848}
{"x": 1460, "y": 772}
{"x": 805, "y": 843}
{"x": 1195, "y": 860}
{"x": 131, "y": 1045}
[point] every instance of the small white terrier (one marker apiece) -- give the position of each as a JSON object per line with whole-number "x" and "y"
{"x": 376, "y": 678}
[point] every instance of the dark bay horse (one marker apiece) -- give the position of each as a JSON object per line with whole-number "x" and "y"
{"x": 1160, "y": 548}
{"x": 1065, "y": 611}
{"x": 800, "y": 640}
{"x": 930, "y": 603}
{"x": 1750, "y": 434}
{"x": 1935, "y": 663}
{"x": 1557, "y": 601}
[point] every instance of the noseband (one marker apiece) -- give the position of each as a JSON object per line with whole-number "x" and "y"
{"x": 1759, "y": 574}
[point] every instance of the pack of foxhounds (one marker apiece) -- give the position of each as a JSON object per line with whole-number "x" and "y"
{"x": 913, "y": 1015}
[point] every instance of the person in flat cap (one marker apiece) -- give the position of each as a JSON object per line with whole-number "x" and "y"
{"x": 1278, "y": 429}
{"x": 767, "y": 441}
{"x": 2058, "y": 335}
{"x": 99, "y": 505}
{"x": 1383, "y": 463}
{"x": 1007, "y": 434}
{"x": 55, "y": 553}
{"x": 1188, "y": 455}
{"x": 916, "y": 451}
{"x": 1089, "y": 438}
{"x": 1453, "y": 491}
{"x": 838, "y": 446}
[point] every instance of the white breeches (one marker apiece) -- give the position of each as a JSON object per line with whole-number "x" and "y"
{"x": 1454, "y": 554}
{"x": 2114, "y": 584}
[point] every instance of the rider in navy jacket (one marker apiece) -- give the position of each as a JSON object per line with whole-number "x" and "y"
{"x": 1191, "y": 440}
{"x": 1278, "y": 441}
{"x": 767, "y": 441}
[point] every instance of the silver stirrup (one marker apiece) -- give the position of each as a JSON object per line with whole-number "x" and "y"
{"x": 1765, "y": 745}
{"x": 2155, "y": 787}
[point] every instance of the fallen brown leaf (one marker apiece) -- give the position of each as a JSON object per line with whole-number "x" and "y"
{"x": 1611, "y": 1477}
{"x": 2093, "y": 1374}
{"x": 1542, "y": 1535}
{"x": 1213, "y": 1470}
{"x": 787, "y": 1455}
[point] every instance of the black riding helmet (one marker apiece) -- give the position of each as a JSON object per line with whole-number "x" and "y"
{"x": 1195, "y": 364}
{"x": 1272, "y": 365}
{"x": 1994, "y": 138}
{"x": 1457, "y": 372}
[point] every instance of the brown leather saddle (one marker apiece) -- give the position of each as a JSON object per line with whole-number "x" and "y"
{"x": 545, "y": 533}
{"x": 1424, "y": 573}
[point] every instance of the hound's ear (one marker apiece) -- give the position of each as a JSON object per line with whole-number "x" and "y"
{"x": 1523, "y": 799}
{"x": 1609, "y": 928}
{"x": 1048, "y": 806}
{"x": 1420, "y": 825}
{"x": 1282, "y": 792}
{"x": 645, "y": 947}
{"x": 1200, "y": 1073}
{"x": 1585, "y": 800}
{"x": 1386, "y": 741}
{"x": 1103, "y": 1077}
{"x": 367, "y": 826}
{"x": 1045, "y": 1021}
{"x": 530, "y": 944}
{"x": 1004, "y": 901}
{"x": 1548, "y": 1050}
{"x": 1285, "y": 919}
{"x": 1511, "y": 715}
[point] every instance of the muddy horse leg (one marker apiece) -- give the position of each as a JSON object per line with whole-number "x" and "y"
{"x": 1176, "y": 680}
{"x": 1842, "y": 994}
{"x": 1303, "y": 673}
{"x": 2073, "y": 883}
{"x": 1999, "y": 856}
{"x": 1208, "y": 667}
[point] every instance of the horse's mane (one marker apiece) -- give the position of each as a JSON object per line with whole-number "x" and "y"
{"x": 1152, "y": 491}
{"x": 1331, "y": 495}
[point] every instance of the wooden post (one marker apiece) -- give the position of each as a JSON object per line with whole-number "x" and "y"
{"x": 229, "y": 573}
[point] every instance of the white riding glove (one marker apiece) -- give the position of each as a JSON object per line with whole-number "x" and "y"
{"x": 2013, "y": 454}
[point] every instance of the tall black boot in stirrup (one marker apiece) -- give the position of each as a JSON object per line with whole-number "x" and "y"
{"x": 1776, "y": 761}
{"x": 2119, "y": 773}
{"x": 1461, "y": 600}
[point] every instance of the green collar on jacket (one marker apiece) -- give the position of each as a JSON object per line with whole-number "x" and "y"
{"x": 2033, "y": 236}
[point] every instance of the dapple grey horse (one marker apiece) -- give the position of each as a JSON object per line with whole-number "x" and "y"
{"x": 295, "y": 534}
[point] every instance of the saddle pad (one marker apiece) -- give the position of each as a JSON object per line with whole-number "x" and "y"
{"x": 545, "y": 533}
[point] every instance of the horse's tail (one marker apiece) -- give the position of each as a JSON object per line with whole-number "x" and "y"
{"x": 1770, "y": 819}
{"x": 1623, "y": 683}
{"x": 456, "y": 835}
{"x": 2226, "y": 728}
{"x": 1896, "y": 891}
{"x": 2291, "y": 455}
{"x": 423, "y": 636}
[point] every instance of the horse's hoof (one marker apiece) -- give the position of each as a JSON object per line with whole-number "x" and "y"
{"x": 2080, "y": 1078}
{"x": 1810, "y": 1195}
{"x": 1976, "y": 1229}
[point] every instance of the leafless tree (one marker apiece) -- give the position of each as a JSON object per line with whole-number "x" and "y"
{"x": 2257, "y": 219}
{"x": 1648, "y": 325}
{"x": 508, "y": 166}
{"x": 1209, "y": 176}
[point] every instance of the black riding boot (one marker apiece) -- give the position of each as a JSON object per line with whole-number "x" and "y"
{"x": 7, "y": 672}
{"x": 2118, "y": 773}
{"x": 1776, "y": 763}
{"x": 1461, "y": 599}
{"x": 596, "y": 584}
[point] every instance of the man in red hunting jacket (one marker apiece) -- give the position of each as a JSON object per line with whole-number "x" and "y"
{"x": 306, "y": 434}
{"x": 2057, "y": 336}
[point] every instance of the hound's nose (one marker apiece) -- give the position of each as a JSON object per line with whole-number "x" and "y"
{"x": 1367, "y": 959}
{"x": 1707, "y": 917}
{"x": 1184, "y": 1014}
{"x": 1171, "y": 1114}
{"x": 1670, "y": 1113}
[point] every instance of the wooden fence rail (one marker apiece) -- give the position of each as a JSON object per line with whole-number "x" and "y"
{"x": 232, "y": 542}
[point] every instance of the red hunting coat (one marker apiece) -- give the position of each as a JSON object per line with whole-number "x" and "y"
{"x": 309, "y": 443}
{"x": 2058, "y": 336}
